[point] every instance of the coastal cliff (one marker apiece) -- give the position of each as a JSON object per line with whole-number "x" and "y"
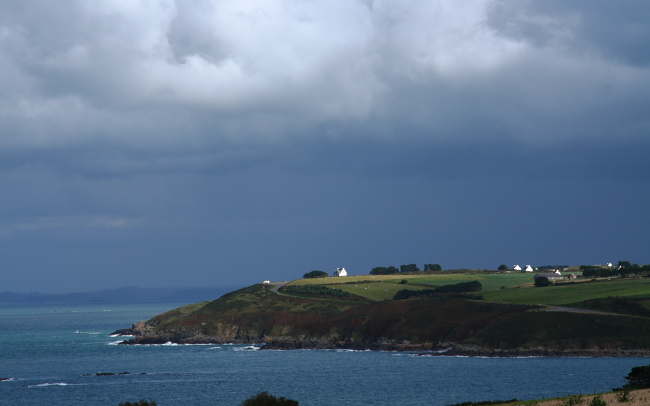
{"x": 455, "y": 325}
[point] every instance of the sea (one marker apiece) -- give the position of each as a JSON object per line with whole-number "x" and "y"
{"x": 51, "y": 355}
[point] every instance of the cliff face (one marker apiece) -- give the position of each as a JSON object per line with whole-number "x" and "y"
{"x": 464, "y": 327}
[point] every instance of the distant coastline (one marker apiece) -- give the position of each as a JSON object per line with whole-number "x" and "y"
{"x": 119, "y": 295}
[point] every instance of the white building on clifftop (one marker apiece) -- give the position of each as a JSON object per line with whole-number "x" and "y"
{"x": 340, "y": 272}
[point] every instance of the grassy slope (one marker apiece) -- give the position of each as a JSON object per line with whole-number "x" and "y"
{"x": 247, "y": 312}
{"x": 423, "y": 320}
{"x": 567, "y": 330}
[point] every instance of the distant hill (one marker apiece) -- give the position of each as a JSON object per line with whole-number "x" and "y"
{"x": 120, "y": 295}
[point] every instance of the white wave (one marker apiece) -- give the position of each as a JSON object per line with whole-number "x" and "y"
{"x": 51, "y": 384}
{"x": 87, "y": 332}
{"x": 214, "y": 348}
{"x": 115, "y": 342}
{"x": 7, "y": 380}
{"x": 247, "y": 348}
{"x": 121, "y": 335}
{"x": 167, "y": 344}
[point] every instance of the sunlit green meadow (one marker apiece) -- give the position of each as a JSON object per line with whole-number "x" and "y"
{"x": 571, "y": 293}
{"x": 381, "y": 287}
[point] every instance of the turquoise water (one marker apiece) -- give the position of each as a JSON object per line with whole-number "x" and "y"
{"x": 47, "y": 350}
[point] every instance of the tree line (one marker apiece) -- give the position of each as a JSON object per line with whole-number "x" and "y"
{"x": 463, "y": 287}
{"x": 389, "y": 270}
{"x": 623, "y": 268}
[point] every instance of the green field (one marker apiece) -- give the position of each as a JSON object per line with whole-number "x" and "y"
{"x": 559, "y": 295}
{"x": 384, "y": 287}
{"x": 377, "y": 291}
{"x": 497, "y": 287}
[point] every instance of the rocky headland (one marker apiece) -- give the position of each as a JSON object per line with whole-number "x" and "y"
{"x": 438, "y": 326}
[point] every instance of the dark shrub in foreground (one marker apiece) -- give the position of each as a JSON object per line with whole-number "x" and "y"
{"x": 638, "y": 378}
{"x": 473, "y": 286}
{"x": 266, "y": 399}
{"x": 542, "y": 281}
{"x": 141, "y": 402}
{"x": 485, "y": 403}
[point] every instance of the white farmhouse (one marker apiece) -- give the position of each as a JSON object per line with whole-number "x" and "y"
{"x": 516, "y": 268}
{"x": 340, "y": 272}
{"x": 528, "y": 268}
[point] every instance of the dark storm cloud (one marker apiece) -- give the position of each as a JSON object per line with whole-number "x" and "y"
{"x": 160, "y": 136}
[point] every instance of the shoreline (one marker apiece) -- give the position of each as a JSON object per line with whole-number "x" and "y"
{"x": 443, "y": 349}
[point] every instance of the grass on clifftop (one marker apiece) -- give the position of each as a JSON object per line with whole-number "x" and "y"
{"x": 572, "y": 293}
{"x": 518, "y": 287}
{"x": 384, "y": 287}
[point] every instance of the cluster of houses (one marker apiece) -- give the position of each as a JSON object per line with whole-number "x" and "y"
{"x": 528, "y": 268}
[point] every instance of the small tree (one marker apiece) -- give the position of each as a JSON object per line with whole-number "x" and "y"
{"x": 432, "y": 267}
{"x": 503, "y": 267}
{"x": 623, "y": 396}
{"x": 542, "y": 281}
{"x": 380, "y": 270}
{"x": 572, "y": 400}
{"x": 597, "y": 400}
{"x": 409, "y": 268}
{"x": 266, "y": 399}
{"x": 315, "y": 274}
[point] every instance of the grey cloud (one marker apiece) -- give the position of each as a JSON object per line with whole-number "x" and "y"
{"x": 215, "y": 73}
{"x": 617, "y": 30}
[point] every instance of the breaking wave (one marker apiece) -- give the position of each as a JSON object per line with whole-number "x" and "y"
{"x": 48, "y": 384}
{"x": 247, "y": 348}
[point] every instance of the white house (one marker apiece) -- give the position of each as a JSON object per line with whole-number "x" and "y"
{"x": 340, "y": 272}
{"x": 528, "y": 268}
{"x": 516, "y": 268}
{"x": 609, "y": 265}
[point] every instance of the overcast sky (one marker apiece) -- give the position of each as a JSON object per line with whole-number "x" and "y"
{"x": 160, "y": 143}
